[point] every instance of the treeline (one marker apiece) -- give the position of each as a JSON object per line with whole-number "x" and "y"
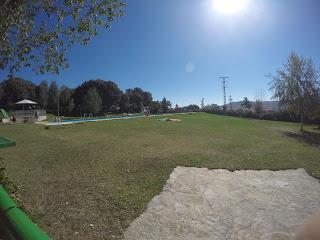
{"x": 93, "y": 96}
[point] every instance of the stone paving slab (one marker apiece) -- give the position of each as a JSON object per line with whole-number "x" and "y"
{"x": 198, "y": 203}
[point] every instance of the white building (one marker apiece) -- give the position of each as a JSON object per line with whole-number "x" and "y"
{"x": 267, "y": 105}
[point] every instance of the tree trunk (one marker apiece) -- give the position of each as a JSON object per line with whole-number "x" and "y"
{"x": 301, "y": 118}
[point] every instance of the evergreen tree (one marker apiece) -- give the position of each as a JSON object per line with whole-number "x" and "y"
{"x": 165, "y": 105}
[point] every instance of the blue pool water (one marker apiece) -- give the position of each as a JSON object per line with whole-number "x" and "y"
{"x": 81, "y": 120}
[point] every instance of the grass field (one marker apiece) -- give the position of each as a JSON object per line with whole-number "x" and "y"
{"x": 89, "y": 181}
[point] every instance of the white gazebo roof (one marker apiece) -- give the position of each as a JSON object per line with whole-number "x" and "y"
{"x": 26, "y": 101}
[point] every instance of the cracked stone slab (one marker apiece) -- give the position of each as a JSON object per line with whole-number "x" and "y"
{"x": 198, "y": 203}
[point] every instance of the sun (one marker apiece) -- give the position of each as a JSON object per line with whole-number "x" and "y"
{"x": 230, "y": 6}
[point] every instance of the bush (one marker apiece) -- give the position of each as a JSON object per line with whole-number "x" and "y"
{"x": 8, "y": 184}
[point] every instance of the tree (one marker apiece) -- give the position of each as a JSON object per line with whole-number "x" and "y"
{"x": 92, "y": 101}
{"x": 155, "y": 107}
{"x": 213, "y": 108}
{"x": 147, "y": 98}
{"x": 177, "y": 109}
{"x": 138, "y": 98}
{"x": 1, "y": 93}
{"x": 37, "y": 33}
{"x": 296, "y": 86}
{"x": 42, "y": 94}
{"x": 135, "y": 99}
{"x": 165, "y": 105}
{"x": 66, "y": 100}
{"x": 191, "y": 108}
{"x": 315, "y": 110}
{"x": 258, "y": 105}
{"x": 53, "y": 96}
{"x": 246, "y": 103}
{"x": 70, "y": 106}
{"x": 108, "y": 91}
{"x": 124, "y": 103}
{"x": 258, "y": 108}
{"x": 202, "y": 103}
{"x": 16, "y": 89}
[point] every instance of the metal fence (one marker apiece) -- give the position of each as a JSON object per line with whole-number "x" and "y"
{"x": 28, "y": 113}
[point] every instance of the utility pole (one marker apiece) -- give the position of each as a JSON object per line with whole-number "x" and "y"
{"x": 59, "y": 106}
{"x": 224, "y": 89}
{"x": 202, "y": 103}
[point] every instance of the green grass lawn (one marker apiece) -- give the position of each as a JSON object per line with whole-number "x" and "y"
{"x": 105, "y": 173}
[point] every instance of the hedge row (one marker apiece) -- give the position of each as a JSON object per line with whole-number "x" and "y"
{"x": 269, "y": 115}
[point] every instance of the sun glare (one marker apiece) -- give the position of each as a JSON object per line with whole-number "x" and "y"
{"x": 230, "y": 6}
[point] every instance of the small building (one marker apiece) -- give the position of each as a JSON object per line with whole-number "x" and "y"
{"x": 272, "y": 106}
{"x": 29, "y": 112}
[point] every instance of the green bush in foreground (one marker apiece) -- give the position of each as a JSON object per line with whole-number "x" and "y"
{"x": 8, "y": 184}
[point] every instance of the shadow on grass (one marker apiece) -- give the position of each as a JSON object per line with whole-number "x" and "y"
{"x": 312, "y": 138}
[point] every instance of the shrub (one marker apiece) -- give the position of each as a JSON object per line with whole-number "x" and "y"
{"x": 8, "y": 184}
{"x": 269, "y": 115}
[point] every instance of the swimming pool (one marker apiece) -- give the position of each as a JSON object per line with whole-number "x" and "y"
{"x": 98, "y": 119}
{"x": 84, "y": 120}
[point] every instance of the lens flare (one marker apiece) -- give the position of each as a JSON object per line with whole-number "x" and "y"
{"x": 230, "y": 6}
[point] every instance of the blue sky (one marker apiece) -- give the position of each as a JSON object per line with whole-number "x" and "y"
{"x": 179, "y": 48}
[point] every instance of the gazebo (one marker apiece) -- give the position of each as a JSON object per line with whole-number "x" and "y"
{"x": 25, "y": 103}
{"x": 30, "y": 112}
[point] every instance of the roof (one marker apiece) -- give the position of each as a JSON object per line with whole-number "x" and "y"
{"x": 26, "y": 101}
